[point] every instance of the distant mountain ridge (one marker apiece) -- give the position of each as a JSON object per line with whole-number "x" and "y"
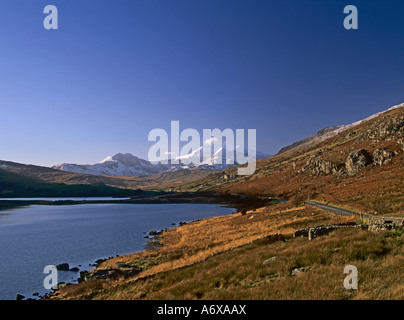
{"x": 127, "y": 164}
{"x": 117, "y": 165}
{"x": 19, "y": 180}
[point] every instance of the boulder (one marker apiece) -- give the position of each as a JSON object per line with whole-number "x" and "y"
{"x": 83, "y": 276}
{"x": 356, "y": 161}
{"x": 154, "y": 233}
{"x": 99, "y": 261}
{"x": 320, "y": 166}
{"x": 381, "y": 157}
{"x": 297, "y": 271}
{"x": 63, "y": 267}
{"x": 270, "y": 260}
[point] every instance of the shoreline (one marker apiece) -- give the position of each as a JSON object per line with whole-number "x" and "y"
{"x": 151, "y": 236}
{"x": 230, "y": 201}
{"x": 235, "y": 202}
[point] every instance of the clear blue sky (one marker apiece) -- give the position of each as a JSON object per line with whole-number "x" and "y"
{"x": 117, "y": 69}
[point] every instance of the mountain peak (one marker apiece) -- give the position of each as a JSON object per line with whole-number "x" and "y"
{"x": 126, "y": 164}
{"x": 121, "y": 157}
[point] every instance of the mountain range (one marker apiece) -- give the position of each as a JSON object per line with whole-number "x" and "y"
{"x": 358, "y": 161}
{"x": 127, "y": 164}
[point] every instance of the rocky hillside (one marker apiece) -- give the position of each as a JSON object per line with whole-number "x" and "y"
{"x": 362, "y": 166}
{"x": 314, "y": 139}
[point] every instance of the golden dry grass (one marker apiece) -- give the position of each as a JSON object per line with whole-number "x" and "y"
{"x": 197, "y": 241}
{"x": 240, "y": 274}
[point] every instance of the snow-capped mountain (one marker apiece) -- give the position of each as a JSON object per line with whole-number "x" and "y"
{"x": 129, "y": 165}
{"x": 220, "y": 158}
{"x": 118, "y": 165}
{"x": 239, "y": 157}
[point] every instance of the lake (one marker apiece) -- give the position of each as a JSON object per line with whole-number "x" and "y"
{"x": 35, "y": 236}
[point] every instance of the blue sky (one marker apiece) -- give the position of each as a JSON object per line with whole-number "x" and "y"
{"x": 115, "y": 70}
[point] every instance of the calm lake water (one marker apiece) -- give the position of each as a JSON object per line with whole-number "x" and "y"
{"x": 36, "y": 236}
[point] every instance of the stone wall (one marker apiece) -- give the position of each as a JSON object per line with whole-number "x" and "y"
{"x": 371, "y": 223}
{"x": 366, "y": 218}
{"x": 316, "y": 231}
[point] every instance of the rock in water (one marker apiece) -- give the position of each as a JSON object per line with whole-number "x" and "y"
{"x": 63, "y": 267}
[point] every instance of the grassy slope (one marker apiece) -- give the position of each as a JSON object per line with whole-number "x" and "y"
{"x": 174, "y": 271}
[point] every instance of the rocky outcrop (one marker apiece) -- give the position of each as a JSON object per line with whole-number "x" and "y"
{"x": 382, "y": 156}
{"x": 318, "y": 165}
{"x": 386, "y": 127}
{"x": 321, "y": 167}
{"x": 400, "y": 143}
{"x": 356, "y": 161}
